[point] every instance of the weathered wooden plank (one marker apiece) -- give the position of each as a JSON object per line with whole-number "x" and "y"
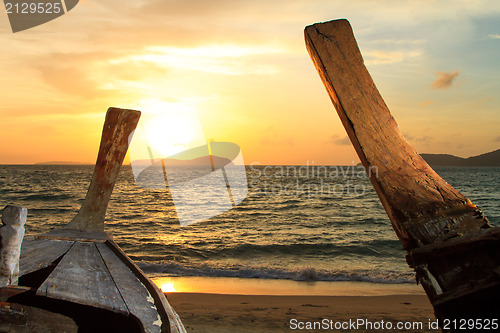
{"x": 456, "y": 250}
{"x": 118, "y": 126}
{"x": 11, "y": 237}
{"x": 170, "y": 320}
{"x": 76, "y": 235}
{"x": 32, "y": 244}
{"x": 40, "y": 253}
{"x": 175, "y": 322}
{"x": 489, "y": 237}
{"x": 418, "y": 201}
{"x": 137, "y": 298}
{"x": 82, "y": 277}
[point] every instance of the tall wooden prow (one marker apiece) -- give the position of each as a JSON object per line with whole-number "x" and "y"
{"x": 451, "y": 245}
{"x": 118, "y": 126}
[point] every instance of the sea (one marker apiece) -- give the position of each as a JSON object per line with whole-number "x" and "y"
{"x": 297, "y": 223}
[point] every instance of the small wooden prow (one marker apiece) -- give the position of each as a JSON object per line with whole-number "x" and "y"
{"x": 11, "y": 238}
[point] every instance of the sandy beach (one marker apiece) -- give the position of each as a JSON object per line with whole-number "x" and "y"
{"x": 256, "y": 305}
{"x": 202, "y": 312}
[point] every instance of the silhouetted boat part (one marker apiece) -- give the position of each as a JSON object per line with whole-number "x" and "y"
{"x": 451, "y": 245}
{"x": 76, "y": 279}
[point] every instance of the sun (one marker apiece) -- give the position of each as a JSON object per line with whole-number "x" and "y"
{"x": 170, "y": 128}
{"x": 168, "y": 287}
{"x": 169, "y": 134}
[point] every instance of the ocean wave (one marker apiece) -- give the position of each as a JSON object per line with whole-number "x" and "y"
{"x": 330, "y": 250}
{"x": 310, "y": 246}
{"x": 47, "y": 197}
{"x": 342, "y": 238}
{"x": 285, "y": 207}
{"x": 171, "y": 268}
{"x": 292, "y": 201}
{"x": 32, "y": 211}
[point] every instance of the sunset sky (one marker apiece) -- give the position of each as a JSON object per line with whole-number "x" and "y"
{"x": 244, "y": 67}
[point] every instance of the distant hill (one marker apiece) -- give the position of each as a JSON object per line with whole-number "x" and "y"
{"x": 491, "y": 159}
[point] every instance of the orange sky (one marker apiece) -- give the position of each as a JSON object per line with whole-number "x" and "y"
{"x": 244, "y": 67}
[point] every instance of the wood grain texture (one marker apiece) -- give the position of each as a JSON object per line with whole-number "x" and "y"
{"x": 137, "y": 298}
{"x": 83, "y": 278}
{"x": 418, "y": 201}
{"x": 170, "y": 320}
{"x": 40, "y": 253}
{"x": 118, "y": 126}
{"x": 450, "y": 243}
{"x": 11, "y": 237}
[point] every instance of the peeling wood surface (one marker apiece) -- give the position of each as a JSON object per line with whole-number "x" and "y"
{"x": 469, "y": 243}
{"x": 11, "y": 237}
{"x": 417, "y": 200}
{"x": 176, "y": 325}
{"x": 170, "y": 320}
{"x": 137, "y": 298}
{"x": 118, "y": 126}
{"x": 450, "y": 243}
{"x": 83, "y": 278}
{"x": 40, "y": 253}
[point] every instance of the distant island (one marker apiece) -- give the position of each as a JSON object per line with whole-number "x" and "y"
{"x": 491, "y": 159}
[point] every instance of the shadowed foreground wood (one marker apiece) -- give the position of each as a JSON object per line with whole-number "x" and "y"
{"x": 450, "y": 243}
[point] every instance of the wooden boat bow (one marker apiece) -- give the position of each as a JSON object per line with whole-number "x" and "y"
{"x": 78, "y": 273}
{"x": 450, "y": 243}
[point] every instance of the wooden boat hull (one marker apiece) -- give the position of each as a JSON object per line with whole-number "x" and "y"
{"x": 84, "y": 276}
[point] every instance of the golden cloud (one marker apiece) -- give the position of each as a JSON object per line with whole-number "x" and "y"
{"x": 444, "y": 80}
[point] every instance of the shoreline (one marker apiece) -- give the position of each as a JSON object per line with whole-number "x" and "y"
{"x": 276, "y": 287}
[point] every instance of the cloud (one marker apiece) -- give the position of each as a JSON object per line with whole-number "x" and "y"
{"x": 215, "y": 59}
{"x": 420, "y": 141}
{"x": 444, "y": 80}
{"x": 425, "y": 103}
{"x": 408, "y": 137}
{"x": 345, "y": 141}
{"x": 76, "y": 74}
{"x": 271, "y": 137}
{"x": 382, "y": 57}
{"x": 494, "y": 36}
{"x": 397, "y": 42}
{"x": 497, "y": 139}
